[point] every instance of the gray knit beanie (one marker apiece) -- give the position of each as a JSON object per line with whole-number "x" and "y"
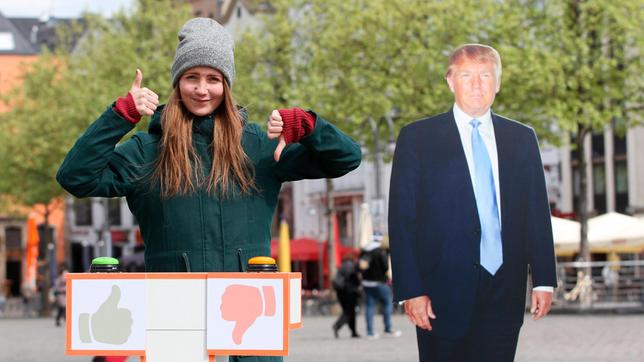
{"x": 204, "y": 42}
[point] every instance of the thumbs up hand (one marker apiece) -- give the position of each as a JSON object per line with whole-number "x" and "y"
{"x": 274, "y": 129}
{"x": 110, "y": 324}
{"x": 145, "y": 100}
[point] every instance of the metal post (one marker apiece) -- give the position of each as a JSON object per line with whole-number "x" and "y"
{"x": 106, "y": 235}
{"x": 331, "y": 231}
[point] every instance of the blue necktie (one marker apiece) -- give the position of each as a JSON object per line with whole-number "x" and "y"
{"x": 485, "y": 193}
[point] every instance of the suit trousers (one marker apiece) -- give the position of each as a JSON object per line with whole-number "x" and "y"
{"x": 487, "y": 339}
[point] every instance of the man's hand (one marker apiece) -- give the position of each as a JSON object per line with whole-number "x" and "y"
{"x": 541, "y": 302}
{"x": 274, "y": 130}
{"x": 419, "y": 311}
{"x": 146, "y": 101}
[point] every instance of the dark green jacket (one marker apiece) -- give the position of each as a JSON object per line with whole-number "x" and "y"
{"x": 199, "y": 232}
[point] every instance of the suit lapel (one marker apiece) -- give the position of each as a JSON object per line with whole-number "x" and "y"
{"x": 454, "y": 146}
{"x": 504, "y": 154}
{"x": 462, "y": 187}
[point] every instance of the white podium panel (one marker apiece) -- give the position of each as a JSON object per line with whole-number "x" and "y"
{"x": 171, "y": 295}
{"x": 295, "y": 302}
{"x": 162, "y": 346}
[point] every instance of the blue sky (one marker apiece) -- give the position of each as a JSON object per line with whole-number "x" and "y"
{"x": 60, "y": 8}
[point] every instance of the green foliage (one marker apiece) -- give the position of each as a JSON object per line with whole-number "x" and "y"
{"x": 355, "y": 60}
{"x": 264, "y": 59}
{"x": 598, "y": 44}
{"x": 567, "y": 66}
{"x": 64, "y": 91}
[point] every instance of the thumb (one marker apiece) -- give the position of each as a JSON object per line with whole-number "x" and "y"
{"x": 430, "y": 311}
{"x": 113, "y": 300}
{"x": 280, "y": 147}
{"x": 137, "y": 79}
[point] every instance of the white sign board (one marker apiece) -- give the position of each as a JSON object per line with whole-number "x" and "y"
{"x": 107, "y": 314}
{"x": 247, "y": 314}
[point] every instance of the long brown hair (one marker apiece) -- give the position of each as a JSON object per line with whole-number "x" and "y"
{"x": 179, "y": 168}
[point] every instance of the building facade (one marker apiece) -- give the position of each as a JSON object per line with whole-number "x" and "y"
{"x": 614, "y": 173}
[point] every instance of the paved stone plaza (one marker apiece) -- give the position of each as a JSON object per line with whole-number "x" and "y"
{"x": 570, "y": 338}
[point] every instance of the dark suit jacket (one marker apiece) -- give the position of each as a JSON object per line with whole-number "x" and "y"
{"x": 435, "y": 231}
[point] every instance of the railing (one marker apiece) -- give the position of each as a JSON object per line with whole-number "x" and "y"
{"x": 587, "y": 286}
{"x": 19, "y": 307}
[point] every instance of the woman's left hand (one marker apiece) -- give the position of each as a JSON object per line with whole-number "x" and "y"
{"x": 274, "y": 130}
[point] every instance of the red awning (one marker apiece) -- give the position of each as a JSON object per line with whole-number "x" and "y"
{"x": 303, "y": 249}
{"x": 307, "y": 249}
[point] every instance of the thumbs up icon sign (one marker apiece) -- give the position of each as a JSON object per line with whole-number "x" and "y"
{"x": 110, "y": 324}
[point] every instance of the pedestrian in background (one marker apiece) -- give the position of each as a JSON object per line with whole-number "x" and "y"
{"x": 203, "y": 182}
{"x": 468, "y": 216}
{"x": 374, "y": 266}
{"x": 347, "y": 287}
{"x": 60, "y": 295}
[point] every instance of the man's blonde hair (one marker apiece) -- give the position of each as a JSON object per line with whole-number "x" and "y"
{"x": 478, "y": 53}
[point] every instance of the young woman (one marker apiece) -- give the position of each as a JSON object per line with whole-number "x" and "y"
{"x": 202, "y": 182}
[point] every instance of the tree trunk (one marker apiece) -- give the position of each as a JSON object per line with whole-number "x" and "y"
{"x": 582, "y": 202}
{"x": 45, "y": 282}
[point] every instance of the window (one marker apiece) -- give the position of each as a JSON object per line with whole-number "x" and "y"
{"x": 239, "y": 12}
{"x": 621, "y": 178}
{"x": 599, "y": 179}
{"x": 13, "y": 235}
{"x": 114, "y": 211}
{"x": 83, "y": 212}
{"x": 599, "y": 188}
{"x": 619, "y": 146}
{"x": 621, "y": 186}
{"x": 598, "y": 146}
{"x": 7, "y": 42}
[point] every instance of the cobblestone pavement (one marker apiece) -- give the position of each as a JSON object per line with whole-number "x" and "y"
{"x": 569, "y": 338}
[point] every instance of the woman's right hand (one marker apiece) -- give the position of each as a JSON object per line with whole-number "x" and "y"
{"x": 145, "y": 100}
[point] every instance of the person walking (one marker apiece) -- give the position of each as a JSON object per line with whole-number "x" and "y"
{"x": 203, "y": 182}
{"x": 347, "y": 287}
{"x": 60, "y": 295}
{"x": 468, "y": 217}
{"x": 374, "y": 266}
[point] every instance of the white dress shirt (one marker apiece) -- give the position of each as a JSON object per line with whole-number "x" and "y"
{"x": 486, "y": 129}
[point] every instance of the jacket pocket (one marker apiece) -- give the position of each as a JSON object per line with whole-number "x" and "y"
{"x": 168, "y": 261}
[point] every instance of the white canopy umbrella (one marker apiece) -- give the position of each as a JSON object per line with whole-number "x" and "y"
{"x": 614, "y": 230}
{"x": 566, "y": 235}
{"x": 366, "y": 225}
